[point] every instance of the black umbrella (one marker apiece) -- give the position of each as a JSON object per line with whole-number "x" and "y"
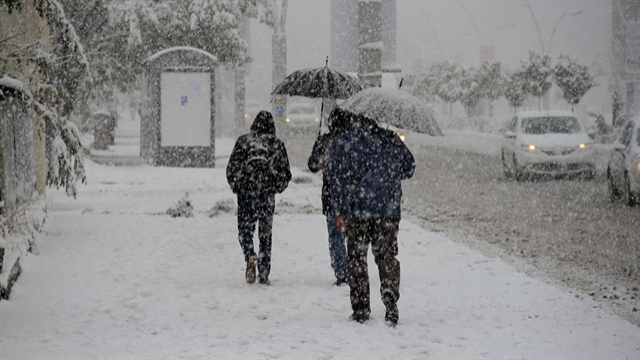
{"x": 324, "y": 82}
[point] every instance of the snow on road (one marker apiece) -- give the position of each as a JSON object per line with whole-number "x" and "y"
{"x": 118, "y": 278}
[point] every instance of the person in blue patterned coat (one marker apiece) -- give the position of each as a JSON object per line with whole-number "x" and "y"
{"x": 365, "y": 173}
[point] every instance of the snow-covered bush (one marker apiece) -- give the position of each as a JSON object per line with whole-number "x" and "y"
{"x": 184, "y": 208}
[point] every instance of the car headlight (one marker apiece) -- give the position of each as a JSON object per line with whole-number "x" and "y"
{"x": 287, "y": 120}
{"x": 316, "y": 120}
{"x": 529, "y": 147}
{"x": 582, "y": 146}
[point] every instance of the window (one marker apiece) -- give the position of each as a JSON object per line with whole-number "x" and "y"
{"x": 302, "y": 110}
{"x": 551, "y": 125}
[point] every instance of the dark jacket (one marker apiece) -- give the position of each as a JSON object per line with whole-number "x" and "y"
{"x": 321, "y": 154}
{"x": 263, "y": 130}
{"x": 367, "y": 165}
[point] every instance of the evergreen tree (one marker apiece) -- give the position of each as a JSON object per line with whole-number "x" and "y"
{"x": 491, "y": 81}
{"x": 572, "y": 78}
{"x": 420, "y": 86}
{"x": 445, "y": 78}
{"x": 515, "y": 89}
{"x": 471, "y": 92}
{"x": 537, "y": 72}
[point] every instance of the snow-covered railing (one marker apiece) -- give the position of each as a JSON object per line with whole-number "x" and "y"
{"x": 181, "y": 48}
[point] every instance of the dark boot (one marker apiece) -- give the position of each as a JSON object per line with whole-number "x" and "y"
{"x": 250, "y": 273}
{"x": 340, "y": 282}
{"x": 360, "y": 316}
{"x": 263, "y": 280}
{"x": 391, "y": 315}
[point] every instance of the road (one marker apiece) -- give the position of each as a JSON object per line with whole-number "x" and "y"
{"x": 565, "y": 231}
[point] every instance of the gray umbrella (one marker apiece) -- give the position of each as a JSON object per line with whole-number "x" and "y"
{"x": 394, "y": 107}
{"x": 324, "y": 82}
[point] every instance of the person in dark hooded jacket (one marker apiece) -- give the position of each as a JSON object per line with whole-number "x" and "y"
{"x": 319, "y": 160}
{"x": 258, "y": 169}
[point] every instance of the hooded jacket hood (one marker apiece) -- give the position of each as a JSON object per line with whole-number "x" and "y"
{"x": 339, "y": 120}
{"x": 264, "y": 124}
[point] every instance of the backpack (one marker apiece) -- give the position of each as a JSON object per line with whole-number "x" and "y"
{"x": 258, "y": 174}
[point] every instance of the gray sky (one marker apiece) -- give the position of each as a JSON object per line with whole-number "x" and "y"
{"x": 435, "y": 30}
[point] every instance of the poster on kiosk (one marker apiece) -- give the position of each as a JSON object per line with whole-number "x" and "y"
{"x": 185, "y": 110}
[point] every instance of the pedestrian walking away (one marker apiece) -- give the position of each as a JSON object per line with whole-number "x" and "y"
{"x": 319, "y": 160}
{"x": 365, "y": 173}
{"x": 258, "y": 169}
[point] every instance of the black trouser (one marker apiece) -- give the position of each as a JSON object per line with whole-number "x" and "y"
{"x": 251, "y": 209}
{"x": 383, "y": 236}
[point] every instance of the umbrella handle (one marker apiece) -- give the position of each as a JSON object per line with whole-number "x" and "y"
{"x": 321, "y": 110}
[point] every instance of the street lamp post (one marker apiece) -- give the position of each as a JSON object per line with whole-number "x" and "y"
{"x": 553, "y": 33}
{"x": 535, "y": 22}
{"x": 279, "y": 59}
{"x": 555, "y": 28}
{"x": 546, "y": 51}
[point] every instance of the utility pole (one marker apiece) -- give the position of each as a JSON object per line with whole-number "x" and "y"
{"x": 239, "y": 77}
{"x": 370, "y": 43}
{"x": 279, "y": 58}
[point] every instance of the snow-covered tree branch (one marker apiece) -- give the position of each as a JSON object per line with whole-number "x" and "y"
{"x": 49, "y": 77}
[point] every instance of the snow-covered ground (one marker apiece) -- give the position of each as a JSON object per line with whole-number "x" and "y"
{"x": 116, "y": 277}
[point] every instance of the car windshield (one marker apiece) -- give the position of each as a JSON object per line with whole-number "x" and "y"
{"x": 302, "y": 110}
{"x": 550, "y": 125}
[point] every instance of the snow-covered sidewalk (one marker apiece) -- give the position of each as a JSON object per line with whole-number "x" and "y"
{"x": 118, "y": 278}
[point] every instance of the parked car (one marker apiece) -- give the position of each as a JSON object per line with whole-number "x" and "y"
{"x": 623, "y": 169}
{"x": 301, "y": 117}
{"x": 552, "y": 143}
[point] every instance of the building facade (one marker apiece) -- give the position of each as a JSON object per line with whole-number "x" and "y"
{"x": 344, "y": 35}
{"x": 626, "y": 53}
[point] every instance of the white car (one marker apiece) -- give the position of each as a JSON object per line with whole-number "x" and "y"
{"x": 301, "y": 117}
{"x": 623, "y": 170}
{"x": 552, "y": 143}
